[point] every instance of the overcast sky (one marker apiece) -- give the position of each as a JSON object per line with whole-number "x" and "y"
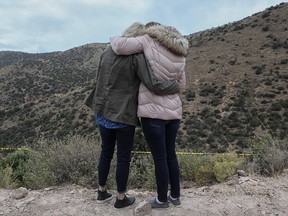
{"x": 38, "y": 26}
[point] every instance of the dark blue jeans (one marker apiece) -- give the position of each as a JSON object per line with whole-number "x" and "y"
{"x": 160, "y": 136}
{"x": 124, "y": 138}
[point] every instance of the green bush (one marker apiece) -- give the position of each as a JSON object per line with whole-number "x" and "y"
{"x": 16, "y": 163}
{"x": 190, "y": 94}
{"x": 275, "y": 107}
{"x": 209, "y": 168}
{"x": 222, "y": 170}
{"x": 265, "y": 28}
{"x": 225, "y": 165}
{"x": 205, "y": 173}
{"x": 189, "y": 165}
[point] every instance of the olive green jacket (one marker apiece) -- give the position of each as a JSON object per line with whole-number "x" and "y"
{"x": 115, "y": 95}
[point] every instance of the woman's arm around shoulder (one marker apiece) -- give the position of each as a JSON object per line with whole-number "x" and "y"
{"x": 127, "y": 46}
{"x": 147, "y": 77}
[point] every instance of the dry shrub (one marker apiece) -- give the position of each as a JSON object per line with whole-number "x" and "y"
{"x": 6, "y": 178}
{"x": 190, "y": 164}
{"x": 142, "y": 173}
{"x": 73, "y": 159}
{"x": 270, "y": 155}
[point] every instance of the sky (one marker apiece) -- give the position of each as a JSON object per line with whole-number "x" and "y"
{"x": 38, "y": 26}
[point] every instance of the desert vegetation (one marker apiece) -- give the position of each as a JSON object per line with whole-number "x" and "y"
{"x": 74, "y": 160}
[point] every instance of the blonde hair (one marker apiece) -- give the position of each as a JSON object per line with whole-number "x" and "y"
{"x": 134, "y": 30}
{"x": 149, "y": 24}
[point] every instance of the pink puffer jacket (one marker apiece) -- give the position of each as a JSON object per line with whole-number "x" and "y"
{"x": 165, "y": 50}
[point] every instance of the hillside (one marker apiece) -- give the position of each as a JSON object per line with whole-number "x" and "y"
{"x": 238, "y": 81}
{"x": 237, "y": 77}
{"x": 42, "y": 95}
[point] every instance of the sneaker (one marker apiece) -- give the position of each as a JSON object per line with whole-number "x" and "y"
{"x": 175, "y": 202}
{"x": 127, "y": 201}
{"x": 103, "y": 196}
{"x": 155, "y": 204}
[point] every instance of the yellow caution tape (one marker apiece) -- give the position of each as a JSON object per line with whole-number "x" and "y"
{"x": 179, "y": 153}
{"x": 133, "y": 152}
{"x": 186, "y": 153}
{"x": 14, "y": 149}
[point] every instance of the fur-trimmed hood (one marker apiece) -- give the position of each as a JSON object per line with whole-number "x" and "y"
{"x": 169, "y": 38}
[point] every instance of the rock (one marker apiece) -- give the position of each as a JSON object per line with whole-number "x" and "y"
{"x": 204, "y": 188}
{"x": 19, "y": 205}
{"x": 132, "y": 193}
{"x": 241, "y": 173}
{"x": 142, "y": 209}
{"x": 244, "y": 179}
{"x": 20, "y": 193}
{"x": 48, "y": 189}
{"x": 239, "y": 206}
{"x": 146, "y": 193}
{"x": 30, "y": 200}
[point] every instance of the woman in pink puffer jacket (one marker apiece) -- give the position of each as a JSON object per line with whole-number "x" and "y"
{"x": 165, "y": 50}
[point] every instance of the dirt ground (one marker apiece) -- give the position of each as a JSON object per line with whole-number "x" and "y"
{"x": 251, "y": 195}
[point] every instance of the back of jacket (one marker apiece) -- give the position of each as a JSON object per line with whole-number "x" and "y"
{"x": 116, "y": 92}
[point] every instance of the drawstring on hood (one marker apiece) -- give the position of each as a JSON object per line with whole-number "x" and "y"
{"x": 169, "y": 38}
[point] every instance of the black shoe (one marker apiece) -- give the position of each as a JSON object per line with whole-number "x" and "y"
{"x": 127, "y": 201}
{"x": 103, "y": 196}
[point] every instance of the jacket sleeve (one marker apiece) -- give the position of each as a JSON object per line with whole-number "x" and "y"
{"x": 152, "y": 83}
{"x": 182, "y": 82}
{"x": 126, "y": 46}
{"x": 182, "y": 79}
{"x": 89, "y": 101}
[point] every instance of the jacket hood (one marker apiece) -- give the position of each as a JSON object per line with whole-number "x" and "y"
{"x": 170, "y": 38}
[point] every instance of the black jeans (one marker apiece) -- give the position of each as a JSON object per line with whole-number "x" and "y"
{"x": 160, "y": 136}
{"x": 124, "y": 138}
